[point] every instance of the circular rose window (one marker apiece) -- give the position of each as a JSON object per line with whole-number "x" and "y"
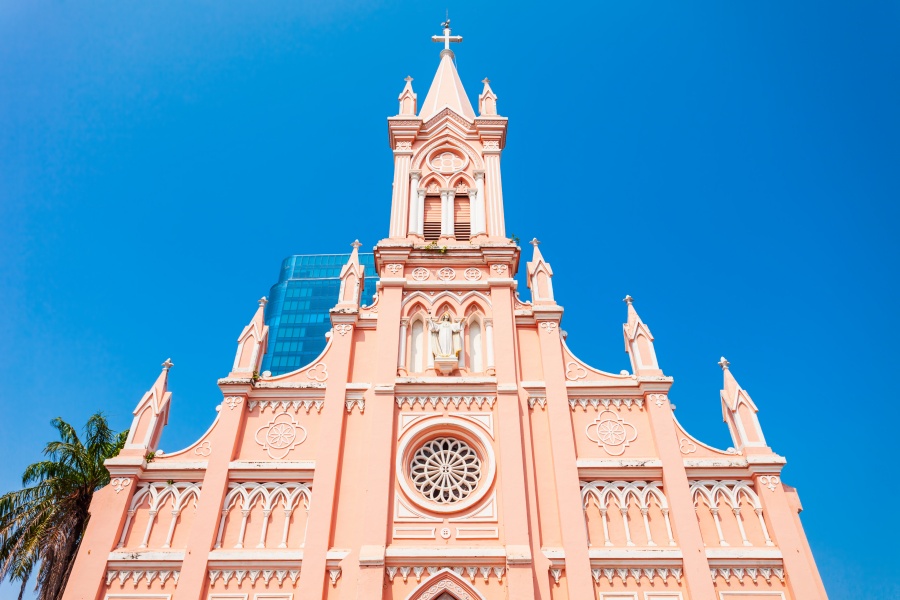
{"x": 445, "y": 470}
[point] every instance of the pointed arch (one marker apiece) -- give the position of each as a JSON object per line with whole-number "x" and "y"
{"x": 445, "y": 582}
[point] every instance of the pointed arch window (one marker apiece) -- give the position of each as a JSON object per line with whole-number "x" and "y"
{"x": 417, "y": 347}
{"x": 476, "y": 347}
{"x": 462, "y": 219}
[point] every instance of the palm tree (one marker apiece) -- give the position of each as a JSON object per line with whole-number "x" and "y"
{"x": 41, "y": 525}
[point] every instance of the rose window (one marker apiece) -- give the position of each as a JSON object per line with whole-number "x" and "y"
{"x": 445, "y": 470}
{"x": 447, "y": 162}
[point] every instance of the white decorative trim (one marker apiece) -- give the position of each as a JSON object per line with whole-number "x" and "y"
{"x": 233, "y": 401}
{"x": 394, "y": 268}
{"x": 752, "y": 572}
{"x": 446, "y": 401}
{"x": 730, "y": 491}
{"x": 658, "y": 399}
{"x": 334, "y": 574}
{"x": 539, "y": 400}
{"x": 291, "y": 494}
{"x": 472, "y": 571}
{"x": 603, "y": 492}
{"x": 555, "y": 573}
{"x": 499, "y": 269}
{"x": 181, "y": 492}
{"x": 472, "y": 274}
{"x": 147, "y": 575}
{"x": 282, "y": 434}
{"x": 770, "y": 481}
{"x": 421, "y": 274}
{"x": 318, "y": 373}
{"x": 574, "y": 371}
{"x": 343, "y": 329}
{"x": 687, "y": 446}
{"x": 284, "y": 404}
{"x": 253, "y": 574}
{"x": 120, "y": 483}
{"x": 596, "y": 403}
{"x": 359, "y": 402}
{"x": 548, "y": 326}
{"x": 612, "y": 432}
{"x": 636, "y": 573}
{"x": 204, "y": 448}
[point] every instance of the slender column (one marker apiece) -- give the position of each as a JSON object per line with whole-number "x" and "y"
{"x": 624, "y": 511}
{"x": 171, "y": 532}
{"x": 447, "y": 197}
{"x": 224, "y": 440}
{"x": 414, "y": 222}
{"x": 678, "y": 492}
{"x": 715, "y": 512}
{"x": 644, "y": 510}
{"x": 265, "y": 528}
{"x": 400, "y": 199}
{"x": 511, "y": 409}
{"x": 377, "y": 468}
{"x": 150, "y": 522}
{"x": 495, "y": 225}
{"x": 478, "y": 205}
{"x": 420, "y": 205}
{"x": 444, "y": 228}
{"x": 473, "y": 212}
{"x": 401, "y": 354}
{"x": 562, "y": 447}
{"x": 606, "y": 540}
{"x": 740, "y": 522}
{"x": 802, "y": 575}
{"x": 328, "y": 460}
{"x": 287, "y": 522}
{"x": 245, "y": 514}
{"x": 665, "y": 512}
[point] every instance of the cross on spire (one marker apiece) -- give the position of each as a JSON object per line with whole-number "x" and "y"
{"x": 446, "y": 38}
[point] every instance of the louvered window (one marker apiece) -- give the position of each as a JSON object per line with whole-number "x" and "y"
{"x": 432, "y": 225}
{"x": 462, "y": 222}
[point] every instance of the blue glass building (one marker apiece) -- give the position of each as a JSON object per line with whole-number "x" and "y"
{"x": 297, "y": 313}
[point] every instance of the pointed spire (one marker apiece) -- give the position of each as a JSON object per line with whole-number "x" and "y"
{"x": 639, "y": 342}
{"x": 447, "y": 90}
{"x": 487, "y": 101}
{"x": 739, "y": 412}
{"x": 150, "y": 415}
{"x": 252, "y": 343}
{"x": 408, "y": 99}
{"x": 540, "y": 277}
{"x": 352, "y": 277}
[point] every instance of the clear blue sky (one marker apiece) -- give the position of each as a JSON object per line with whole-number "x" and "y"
{"x": 731, "y": 165}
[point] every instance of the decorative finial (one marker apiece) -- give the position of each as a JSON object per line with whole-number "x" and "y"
{"x": 627, "y": 299}
{"x": 535, "y": 242}
{"x": 263, "y": 301}
{"x": 724, "y": 363}
{"x": 408, "y": 79}
{"x": 485, "y": 81}
{"x": 356, "y": 244}
{"x": 168, "y": 364}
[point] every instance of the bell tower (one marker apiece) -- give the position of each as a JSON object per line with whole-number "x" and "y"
{"x": 447, "y": 184}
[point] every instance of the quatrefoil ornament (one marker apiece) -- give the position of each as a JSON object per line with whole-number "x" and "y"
{"x": 611, "y": 432}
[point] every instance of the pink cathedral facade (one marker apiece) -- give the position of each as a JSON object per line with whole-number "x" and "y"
{"x": 446, "y": 444}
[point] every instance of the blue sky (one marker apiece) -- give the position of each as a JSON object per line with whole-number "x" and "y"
{"x": 733, "y": 166}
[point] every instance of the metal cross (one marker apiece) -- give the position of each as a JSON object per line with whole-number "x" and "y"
{"x": 446, "y": 38}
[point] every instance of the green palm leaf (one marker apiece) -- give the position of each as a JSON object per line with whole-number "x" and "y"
{"x": 42, "y": 524}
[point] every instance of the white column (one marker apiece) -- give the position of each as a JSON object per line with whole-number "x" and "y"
{"x": 489, "y": 341}
{"x": 494, "y": 199}
{"x": 414, "y": 177}
{"x": 401, "y": 355}
{"x": 478, "y": 218}
{"x": 444, "y": 229}
{"x": 420, "y": 226}
{"x": 451, "y": 195}
{"x": 400, "y": 196}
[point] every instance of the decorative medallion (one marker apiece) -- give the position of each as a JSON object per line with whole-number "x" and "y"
{"x": 499, "y": 269}
{"x": 343, "y": 328}
{"x": 611, "y": 432}
{"x": 233, "y": 401}
{"x": 420, "y": 274}
{"x": 445, "y": 470}
{"x": 394, "y": 268}
{"x": 472, "y": 274}
{"x": 280, "y": 436}
{"x": 574, "y": 371}
{"x": 446, "y": 274}
{"x": 318, "y": 373}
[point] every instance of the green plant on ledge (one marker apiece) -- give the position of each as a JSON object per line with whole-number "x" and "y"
{"x": 514, "y": 239}
{"x": 255, "y": 377}
{"x": 150, "y": 456}
{"x": 433, "y": 247}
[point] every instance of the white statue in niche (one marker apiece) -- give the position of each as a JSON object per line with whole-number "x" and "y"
{"x": 446, "y": 340}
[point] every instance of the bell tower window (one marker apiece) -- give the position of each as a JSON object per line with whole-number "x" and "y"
{"x": 432, "y": 219}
